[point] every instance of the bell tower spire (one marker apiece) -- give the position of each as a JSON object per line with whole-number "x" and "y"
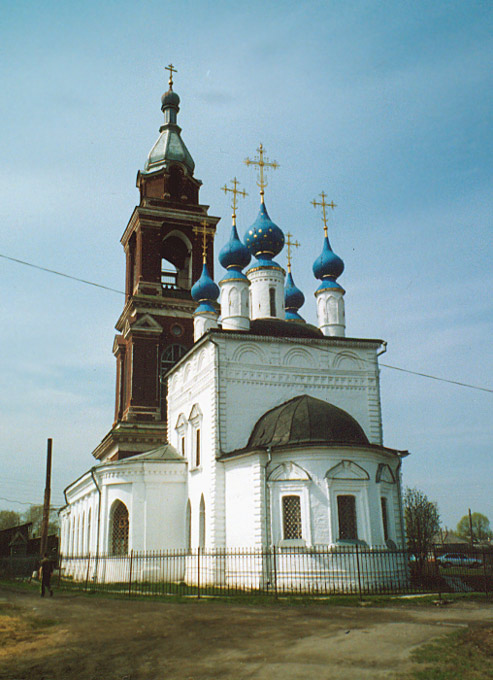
{"x": 163, "y": 258}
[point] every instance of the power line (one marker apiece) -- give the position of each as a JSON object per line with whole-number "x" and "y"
{"x": 66, "y": 276}
{"x": 10, "y": 500}
{"x": 114, "y": 290}
{"x": 434, "y": 377}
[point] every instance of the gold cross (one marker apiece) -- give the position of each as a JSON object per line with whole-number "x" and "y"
{"x": 204, "y": 230}
{"x": 290, "y": 244}
{"x": 171, "y": 71}
{"x": 261, "y": 163}
{"x": 236, "y": 192}
{"x": 324, "y": 205}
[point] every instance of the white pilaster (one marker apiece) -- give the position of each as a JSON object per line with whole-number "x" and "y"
{"x": 202, "y": 322}
{"x": 235, "y": 313}
{"x": 330, "y": 311}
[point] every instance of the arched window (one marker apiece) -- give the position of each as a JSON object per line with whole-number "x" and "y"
{"x": 202, "y": 522}
{"x": 169, "y": 357}
{"x": 272, "y": 301}
{"x": 385, "y": 518}
{"x": 119, "y": 529}
{"x": 188, "y": 526}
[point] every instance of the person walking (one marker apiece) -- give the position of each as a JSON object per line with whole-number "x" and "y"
{"x": 46, "y": 569}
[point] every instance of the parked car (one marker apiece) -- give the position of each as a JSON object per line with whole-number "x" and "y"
{"x": 459, "y": 560}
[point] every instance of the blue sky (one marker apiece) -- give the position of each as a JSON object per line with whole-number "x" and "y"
{"x": 384, "y": 105}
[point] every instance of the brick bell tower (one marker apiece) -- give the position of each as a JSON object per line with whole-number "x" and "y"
{"x": 163, "y": 260}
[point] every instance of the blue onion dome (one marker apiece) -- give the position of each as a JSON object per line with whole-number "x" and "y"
{"x": 205, "y": 289}
{"x": 328, "y": 266}
{"x": 293, "y": 299}
{"x": 234, "y": 255}
{"x": 170, "y": 98}
{"x": 264, "y": 239}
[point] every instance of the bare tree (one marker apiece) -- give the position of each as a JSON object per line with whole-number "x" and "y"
{"x": 422, "y": 523}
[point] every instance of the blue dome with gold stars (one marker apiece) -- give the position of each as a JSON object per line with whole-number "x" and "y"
{"x": 264, "y": 239}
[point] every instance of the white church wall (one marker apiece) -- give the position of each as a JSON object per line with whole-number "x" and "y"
{"x": 319, "y": 494}
{"x": 261, "y": 373}
{"x": 244, "y": 498}
{"x": 192, "y": 405}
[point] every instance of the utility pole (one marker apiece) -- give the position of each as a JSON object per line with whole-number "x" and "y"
{"x": 470, "y": 526}
{"x": 46, "y": 505}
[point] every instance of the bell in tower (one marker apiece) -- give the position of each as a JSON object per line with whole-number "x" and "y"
{"x": 163, "y": 260}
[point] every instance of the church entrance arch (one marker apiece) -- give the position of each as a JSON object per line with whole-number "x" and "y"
{"x": 119, "y": 529}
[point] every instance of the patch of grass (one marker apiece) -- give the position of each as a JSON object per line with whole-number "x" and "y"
{"x": 462, "y": 655}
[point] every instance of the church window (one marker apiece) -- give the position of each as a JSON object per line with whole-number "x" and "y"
{"x": 385, "y": 518}
{"x": 291, "y": 517}
{"x": 202, "y": 522}
{"x": 188, "y": 526}
{"x": 119, "y": 529}
{"x": 346, "y": 513}
{"x": 182, "y": 446}
{"x": 169, "y": 357}
{"x": 272, "y": 301}
{"x": 197, "y": 447}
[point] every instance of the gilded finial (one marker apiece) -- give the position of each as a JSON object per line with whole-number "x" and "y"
{"x": 290, "y": 244}
{"x": 236, "y": 192}
{"x": 261, "y": 163}
{"x": 324, "y": 206}
{"x": 171, "y": 70}
{"x": 204, "y": 230}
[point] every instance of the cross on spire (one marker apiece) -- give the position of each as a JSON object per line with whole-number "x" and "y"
{"x": 261, "y": 163}
{"x": 236, "y": 192}
{"x": 324, "y": 205}
{"x": 204, "y": 230}
{"x": 171, "y": 70}
{"x": 290, "y": 244}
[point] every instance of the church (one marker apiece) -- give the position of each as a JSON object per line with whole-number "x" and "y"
{"x": 237, "y": 423}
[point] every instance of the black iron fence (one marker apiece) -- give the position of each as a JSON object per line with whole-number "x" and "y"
{"x": 320, "y": 570}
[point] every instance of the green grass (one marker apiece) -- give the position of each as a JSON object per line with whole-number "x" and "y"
{"x": 462, "y": 655}
{"x": 187, "y": 594}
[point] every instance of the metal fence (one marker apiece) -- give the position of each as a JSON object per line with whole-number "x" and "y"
{"x": 321, "y": 570}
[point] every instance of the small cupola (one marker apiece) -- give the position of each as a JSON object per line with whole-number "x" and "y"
{"x": 234, "y": 256}
{"x": 330, "y": 295}
{"x": 293, "y": 297}
{"x": 204, "y": 291}
{"x": 264, "y": 239}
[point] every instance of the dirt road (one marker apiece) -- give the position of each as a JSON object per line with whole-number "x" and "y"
{"x": 75, "y": 636}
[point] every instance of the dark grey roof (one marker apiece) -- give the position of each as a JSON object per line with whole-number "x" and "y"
{"x": 284, "y": 329}
{"x": 305, "y": 419}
